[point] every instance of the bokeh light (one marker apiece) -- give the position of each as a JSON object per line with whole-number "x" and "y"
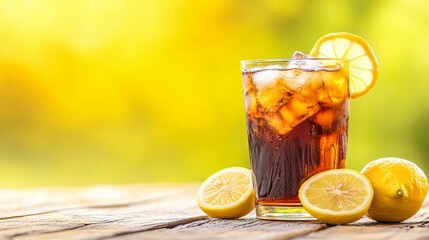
{"x": 107, "y": 91}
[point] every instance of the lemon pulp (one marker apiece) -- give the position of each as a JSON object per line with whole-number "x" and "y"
{"x": 227, "y": 193}
{"x": 337, "y": 196}
{"x": 363, "y": 64}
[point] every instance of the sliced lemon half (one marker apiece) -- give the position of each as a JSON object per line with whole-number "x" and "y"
{"x": 227, "y": 193}
{"x": 363, "y": 64}
{"x": 337, "y": 196}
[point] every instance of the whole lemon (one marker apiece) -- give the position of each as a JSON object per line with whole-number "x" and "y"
{"x": 400, "y": 187}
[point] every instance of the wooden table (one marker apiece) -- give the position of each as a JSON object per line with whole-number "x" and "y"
{"x": 164, "y": 211}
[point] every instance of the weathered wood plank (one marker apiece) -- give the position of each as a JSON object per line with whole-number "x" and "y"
{"x": 99, "y": 221}
{"x": 171, "y": 215}
{"x": 416, "y": 227}
{"x": 16, "y": 203}
{"x": 376, "y": 231}
{"x": 245, "y": 228}
{"x": 251, "y": 228}
{"x": 163, "y": 212}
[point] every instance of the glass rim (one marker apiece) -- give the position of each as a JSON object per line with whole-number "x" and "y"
{"x": 286, "y": 60}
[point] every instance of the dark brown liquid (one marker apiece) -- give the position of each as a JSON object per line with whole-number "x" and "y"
{"x": 282, "y": 162}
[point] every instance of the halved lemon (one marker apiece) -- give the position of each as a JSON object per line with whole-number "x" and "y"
{"x": 337, "y": 196}
{"x": 227, "y": 193}
{"x": 363, "y": 64}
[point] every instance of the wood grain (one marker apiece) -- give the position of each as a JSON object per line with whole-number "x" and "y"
{"x": 163, "y": 211}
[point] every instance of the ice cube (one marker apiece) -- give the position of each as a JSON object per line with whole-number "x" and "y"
{"x": 278, "y": 123}
{"x": 272, "y": 98}
{"x": 325, "y": 118}
{"x": 250, "y": 102}
{"x": 305, "y": 64}
{"x": 333, "y": 91}
{"x": 247, "y": 82}
{"x": 298, "y": 62}
{"x": 296, "y": 80}
{"x": 299, "y": 54}
{"x": 333, "y": 119}
{"x": 265, "y": 79}
{"x": 288, "y": 115}
{"x": 300, "y": 80}
{"x": 298, "y": 110}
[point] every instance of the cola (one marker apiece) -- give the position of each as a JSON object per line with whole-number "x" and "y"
{"x": 297, "y": 115}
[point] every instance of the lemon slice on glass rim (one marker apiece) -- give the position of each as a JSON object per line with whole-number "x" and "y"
{"x": 363, "y": 64}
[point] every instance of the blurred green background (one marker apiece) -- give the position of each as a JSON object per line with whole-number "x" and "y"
{"x": 133, "y": 91}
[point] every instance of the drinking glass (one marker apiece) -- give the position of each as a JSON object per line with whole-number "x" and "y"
{"x": 297, "y": 113}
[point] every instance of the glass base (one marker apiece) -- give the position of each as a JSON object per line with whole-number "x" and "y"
{"x": 290, "y": 213}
